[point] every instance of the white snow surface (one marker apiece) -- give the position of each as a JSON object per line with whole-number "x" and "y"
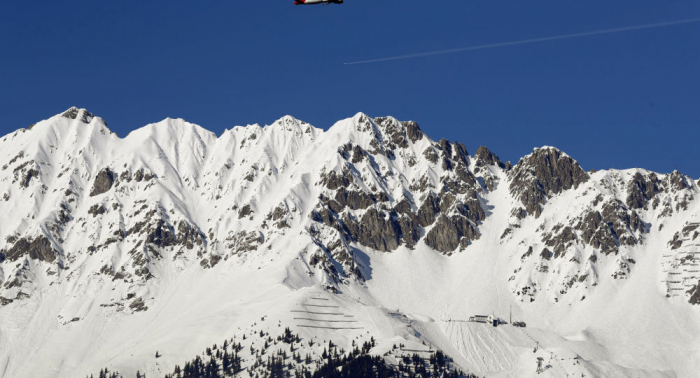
{"x": 68, "y": 318}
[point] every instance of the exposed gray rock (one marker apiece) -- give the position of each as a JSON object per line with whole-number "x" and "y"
{"x": 623, "y": 221}
{"x": 486, "y": 157}
{"x": 375, "y": 230}
{"x": 465, "y": 175}
{"x": 282, "y": 224}
{"x": 189, "y": 236}
{"x": 461, "y": 154}
{"x": 465, "y": 229}
{"x": 518, "y": 213}
{"x": 450, "y": 233}
{"x": 378, "y": 148}
{"x": 450, "y": 184}
{"x": 641, "y": 189}
{"x": 326, "y": 217}
{"x": 545, "y": 172}
{"x": 332, "y": 204}
{"x": 471, "y": 208}
{"x": 358, "y": 154}
{"x": 125, "y": 176}
{"x": 431, "y": 155}
{"x": 250, "y": 176}
{"x": 607, "y": 231}
{"x": 38, "y": 248}
{"x": 24, "y": 173}
{"x": 353, "y": 199}
{"x": 394, "y": 130}
{"x": 427, "y": 213}
{"x": 446, "y": 202}
{"x": 138, "y": 305}
{"x": 445, "y": 146}
{"x": 27, "y": 176}
{"x": 506, "y": 232}
{"x": 323, "y": 259}
{"x": 214, "y": 259}
{"x": 447, "y": 154}
{"x": 161, "y": 234}
{"x": 421, "y": 185}
{"x": 404, "y": 207}
{"x": 410, "y": 232}
{"x": 344, "y": 150}
{"x": 96, "y": 210}
{"x": 380, "y": 197}
{"x": 103, "y": 182}
{"x": 623, "y": 269}
{"x": 73, "y": 113}
{"x": 560, "y": 240}
{"x": 446, "y": 163}
{"x": 333, "y": 180}
{"x": 413, "y": 131}
{"x": 589, "y": 225}
{"x": 444, "y": 237}
{"x": 386, "y": 231}
{"x": 20, "y": 155}
{"x": 546, "y": 254}
{"x": 245, "y": 211}
{"x": 694, "y": 293}
{"x": 532, "y": 196}
{"x": 689, "y": 232}
{"x": 691, "y": 229}
{"x": 242, "y": 241}
{"x": 678, "y": 181}
{"x": 279, "y": 212}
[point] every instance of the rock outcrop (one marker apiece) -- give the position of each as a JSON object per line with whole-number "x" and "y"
{"x": 103, "y": 182}
{"x": 545, "y": 172}
{"x": 38, "y": 248}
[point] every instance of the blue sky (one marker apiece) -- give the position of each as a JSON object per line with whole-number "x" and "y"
{"x": 621, "y": 100}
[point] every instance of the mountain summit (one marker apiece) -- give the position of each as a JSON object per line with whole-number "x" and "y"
{"x": 172, "y": 239}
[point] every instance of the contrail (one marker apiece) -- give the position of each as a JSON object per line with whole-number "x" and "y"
{"x": 524, "y": 41}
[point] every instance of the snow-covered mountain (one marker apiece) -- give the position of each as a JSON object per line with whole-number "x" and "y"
{"x": 172, "y": 239}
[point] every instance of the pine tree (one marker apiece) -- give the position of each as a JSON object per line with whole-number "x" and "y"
{"x": 226, "y": 364}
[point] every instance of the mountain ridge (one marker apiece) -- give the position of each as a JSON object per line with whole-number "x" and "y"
{"x": 113, "y": 228}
